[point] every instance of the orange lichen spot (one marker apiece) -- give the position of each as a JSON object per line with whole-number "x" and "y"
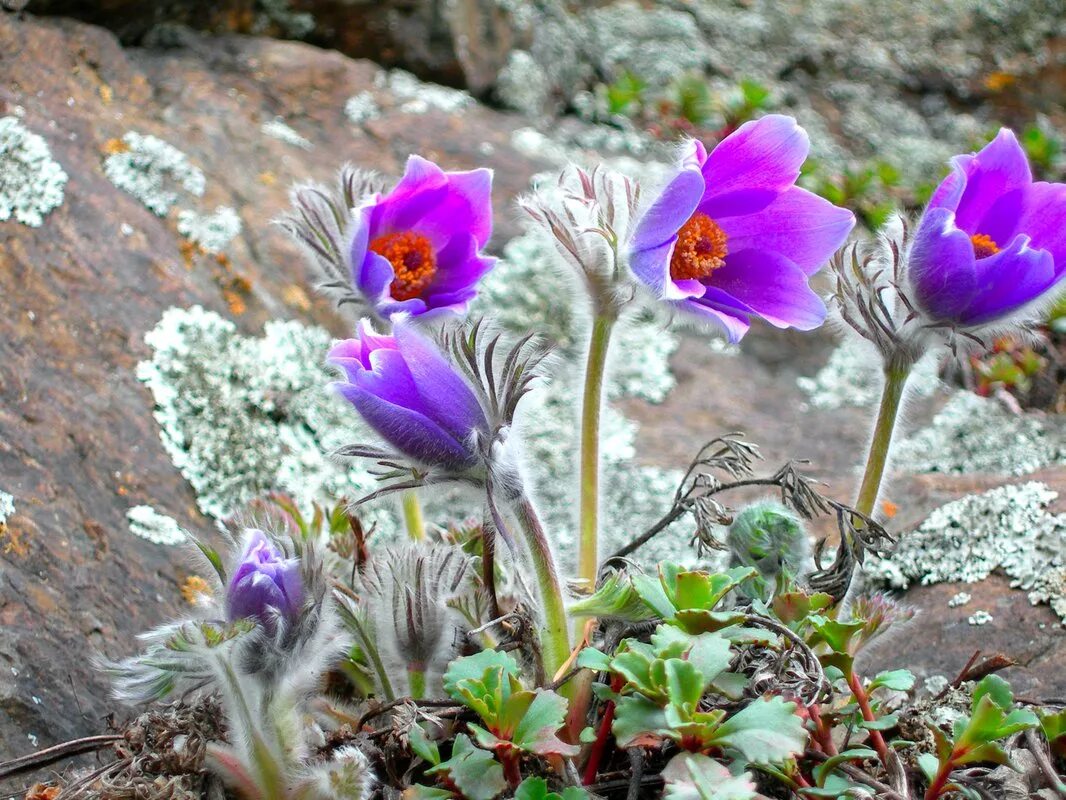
{"x": 106, "y": 94}
{"x": 236, "y": 303}
{"x": 193, "y": 588}
{"x": 189, "y": 252}
{"x": 40, "y": 791}
{"x": 296, "y": 297}
{"x": 701, "y": 249}
{"x": 11, "y": 542}
{"x": 268, "y": 178}
{"x": 122, "y": 491}
{"x": 889, "y": 508}
{"x": 998, "y": 81}
{"x": 983, "y": 245}
{"x": 413, "y": 262}
{"x": 113, "y": 146}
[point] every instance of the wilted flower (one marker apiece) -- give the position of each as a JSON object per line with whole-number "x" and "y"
{"x": 990, "y": 242}
{"x": 414, "y": 250}
{"x": 265, "y": 585}
{"x": 732, "y": 237}
{"x": 771, "y": 538}
{"x": 409, "y": 393}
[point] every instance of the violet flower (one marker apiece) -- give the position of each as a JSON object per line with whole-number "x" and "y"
{"x": 417, "y": 249}
{"x": 732, "y": 237}
{"x": 409, "y": 393}
{"x": 265, "y": 585}
{"x": 991, "y": 242}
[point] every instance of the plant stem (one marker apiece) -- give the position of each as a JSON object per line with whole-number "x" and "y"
{"x": 937, "y": 786}
{"x": 896, "y": 374}
{"x": 599, "y": 343}
{"x": 554, "y": 639}
{"x": 876, "y": 739}
{"x": 412, "y": 517}
{"x": 416, "y": 682}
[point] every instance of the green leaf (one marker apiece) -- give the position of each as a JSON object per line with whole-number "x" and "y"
{"x": 823, "y": 770}
{"x": 899, "y": 680}
{"x": 1054, "y": 728}
{"x": 637, "y": 717}
{"x": 537, "y": 789}
{"x": 684, "y": 682}
{"x": 929, "y": 765}
{"x": 693, "y": 776}
{"x": 543, "y": 718}
{"x": 474, "y": 667}
{"x": 996, "y": 688}
{"x": 596, "y": 660}
{"x": 615, "y": 599}
{"x": 652, "y": 593}
{"x": 884, "y": 723}
{"x": 420, "y": 792}
{"x": 422, "y": 746}
{"x": 475, "y": 773}
{"x": 766, "y": 731}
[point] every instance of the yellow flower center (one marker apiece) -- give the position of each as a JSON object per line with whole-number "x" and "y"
{"x": 413, "y": 262}
{"x": 983, "y": 245}
{"x": 700, "y": 249}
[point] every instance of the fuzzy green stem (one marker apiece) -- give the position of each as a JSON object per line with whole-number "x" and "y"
{"x": 416, "y": 682}
{"x": 554, "y": 640}
{"x": 896, "y": 375}
{"x": 588, "y": 553}
{"x": 412, "y": 517}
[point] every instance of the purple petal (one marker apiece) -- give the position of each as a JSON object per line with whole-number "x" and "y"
{"x": 459, "y": 265}
{"x": 731, "y": 322}
{"x": 652, "y": 267}
{"x": 408, "y": 431}
{"x": 464, "y": 205}
{"x": 802, "y": 227}
{"x": 772, "y": 286}
{"x": 422, "y": 187}
{"x": 1009, "y": 280}
{"x": 447, "y": 398}
{"x": 674, "y": 205}
{"x": 1041, "y": 218}
{"x": 999, "y": 168}
{"x": 764, "y": 154}
{"x": 941, "y": 267}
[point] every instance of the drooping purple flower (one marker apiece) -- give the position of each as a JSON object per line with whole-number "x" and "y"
{"x": 417, "y": 249}
{"x": 732, "y": 237}
{"x": 409, "y": 393}
{"x": 991, "y": 241}
{"x": 265, "y": 585}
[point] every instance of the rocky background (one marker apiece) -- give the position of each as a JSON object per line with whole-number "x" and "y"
{"x": 144, "y": 147}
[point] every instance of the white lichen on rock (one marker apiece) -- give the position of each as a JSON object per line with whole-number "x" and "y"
{"x": 153, "y": 171}
{"x": 979, "y": 618}
{"x": 31, "y": 181}
{"x": 361, "y": 108}
{"x": 852, "y": 377}
{"x": 973, "y": 434}
{"x": 149, "y": 524}
{"x": 418, "y": 97}
{"x": 240, "y": 416}
{"x": 1007, "y": 529}
{"x": 277, "y": 129}
{"x": 214, "y": 231}
{"x": 959, "y": 599}
{"x": 7, "y": 507}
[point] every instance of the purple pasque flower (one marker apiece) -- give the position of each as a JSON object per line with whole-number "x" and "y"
{"x": 991, "y": 241}
{"x": 266, "y": 584}
{"x": 409, "y": 393}
{"x": 732, "y": 237}
{"x": 417, "y": 249}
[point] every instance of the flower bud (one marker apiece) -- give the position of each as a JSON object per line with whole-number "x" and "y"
{"x": 265, "y": 585}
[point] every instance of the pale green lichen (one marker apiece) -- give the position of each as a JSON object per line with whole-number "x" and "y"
{"x": 277, "y": 129}
{"x": 974, "y": 434}
{"x": 214, "y": 231}
{"x": 149, "y": 524}
{"x": 1007, "y": 529}
{"x": 852, "y": 377}
{"x": 418, "y": 97}
{"x": 153, "y": 171}
{"x": 979, "y": 618}
{"x": 361, "y": 108}
{"x": 31, "y": 181}
{"x": 7, "y": 507}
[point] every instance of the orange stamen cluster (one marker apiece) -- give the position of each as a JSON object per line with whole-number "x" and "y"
{"x": 413, "y": 262}
{"x": 983, "y": 245}
{"x": 700, "y": 249}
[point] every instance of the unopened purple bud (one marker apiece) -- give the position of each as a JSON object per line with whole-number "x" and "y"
{"x": 265, "y": 585}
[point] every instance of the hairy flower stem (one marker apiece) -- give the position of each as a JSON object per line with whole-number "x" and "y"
{"x": 896, "y": 374}
{"x": 876, "y": 739}
{"x": 588, "y": 554}
{"x": 554, "y": 639}
{"x": 416, "y": 681}
{"x": 412, "y": 517}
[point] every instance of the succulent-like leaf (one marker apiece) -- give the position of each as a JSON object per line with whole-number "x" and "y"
{"x": 537, "y": 789}
{"x": 766, "y": 731}
{"x": 474, "y": 772}
{"x": 693, "y": 776}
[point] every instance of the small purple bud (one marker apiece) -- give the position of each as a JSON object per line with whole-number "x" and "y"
{"x": 265, "y": 584}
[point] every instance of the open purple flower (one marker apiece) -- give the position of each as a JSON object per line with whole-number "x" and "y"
{"x": 417, "y": 249}
{"x": 265, "y": 585}
{"x": 732, "y": 237}
{"x": 409, "y": 393}
{"x": 991, "y": 241}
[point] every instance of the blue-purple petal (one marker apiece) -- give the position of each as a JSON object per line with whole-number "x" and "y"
{"x": 942, "y": 266}
{"x": 763, "y": 154}
{"x": 772, "y": 286}
{"x": 1009, "y": 280}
